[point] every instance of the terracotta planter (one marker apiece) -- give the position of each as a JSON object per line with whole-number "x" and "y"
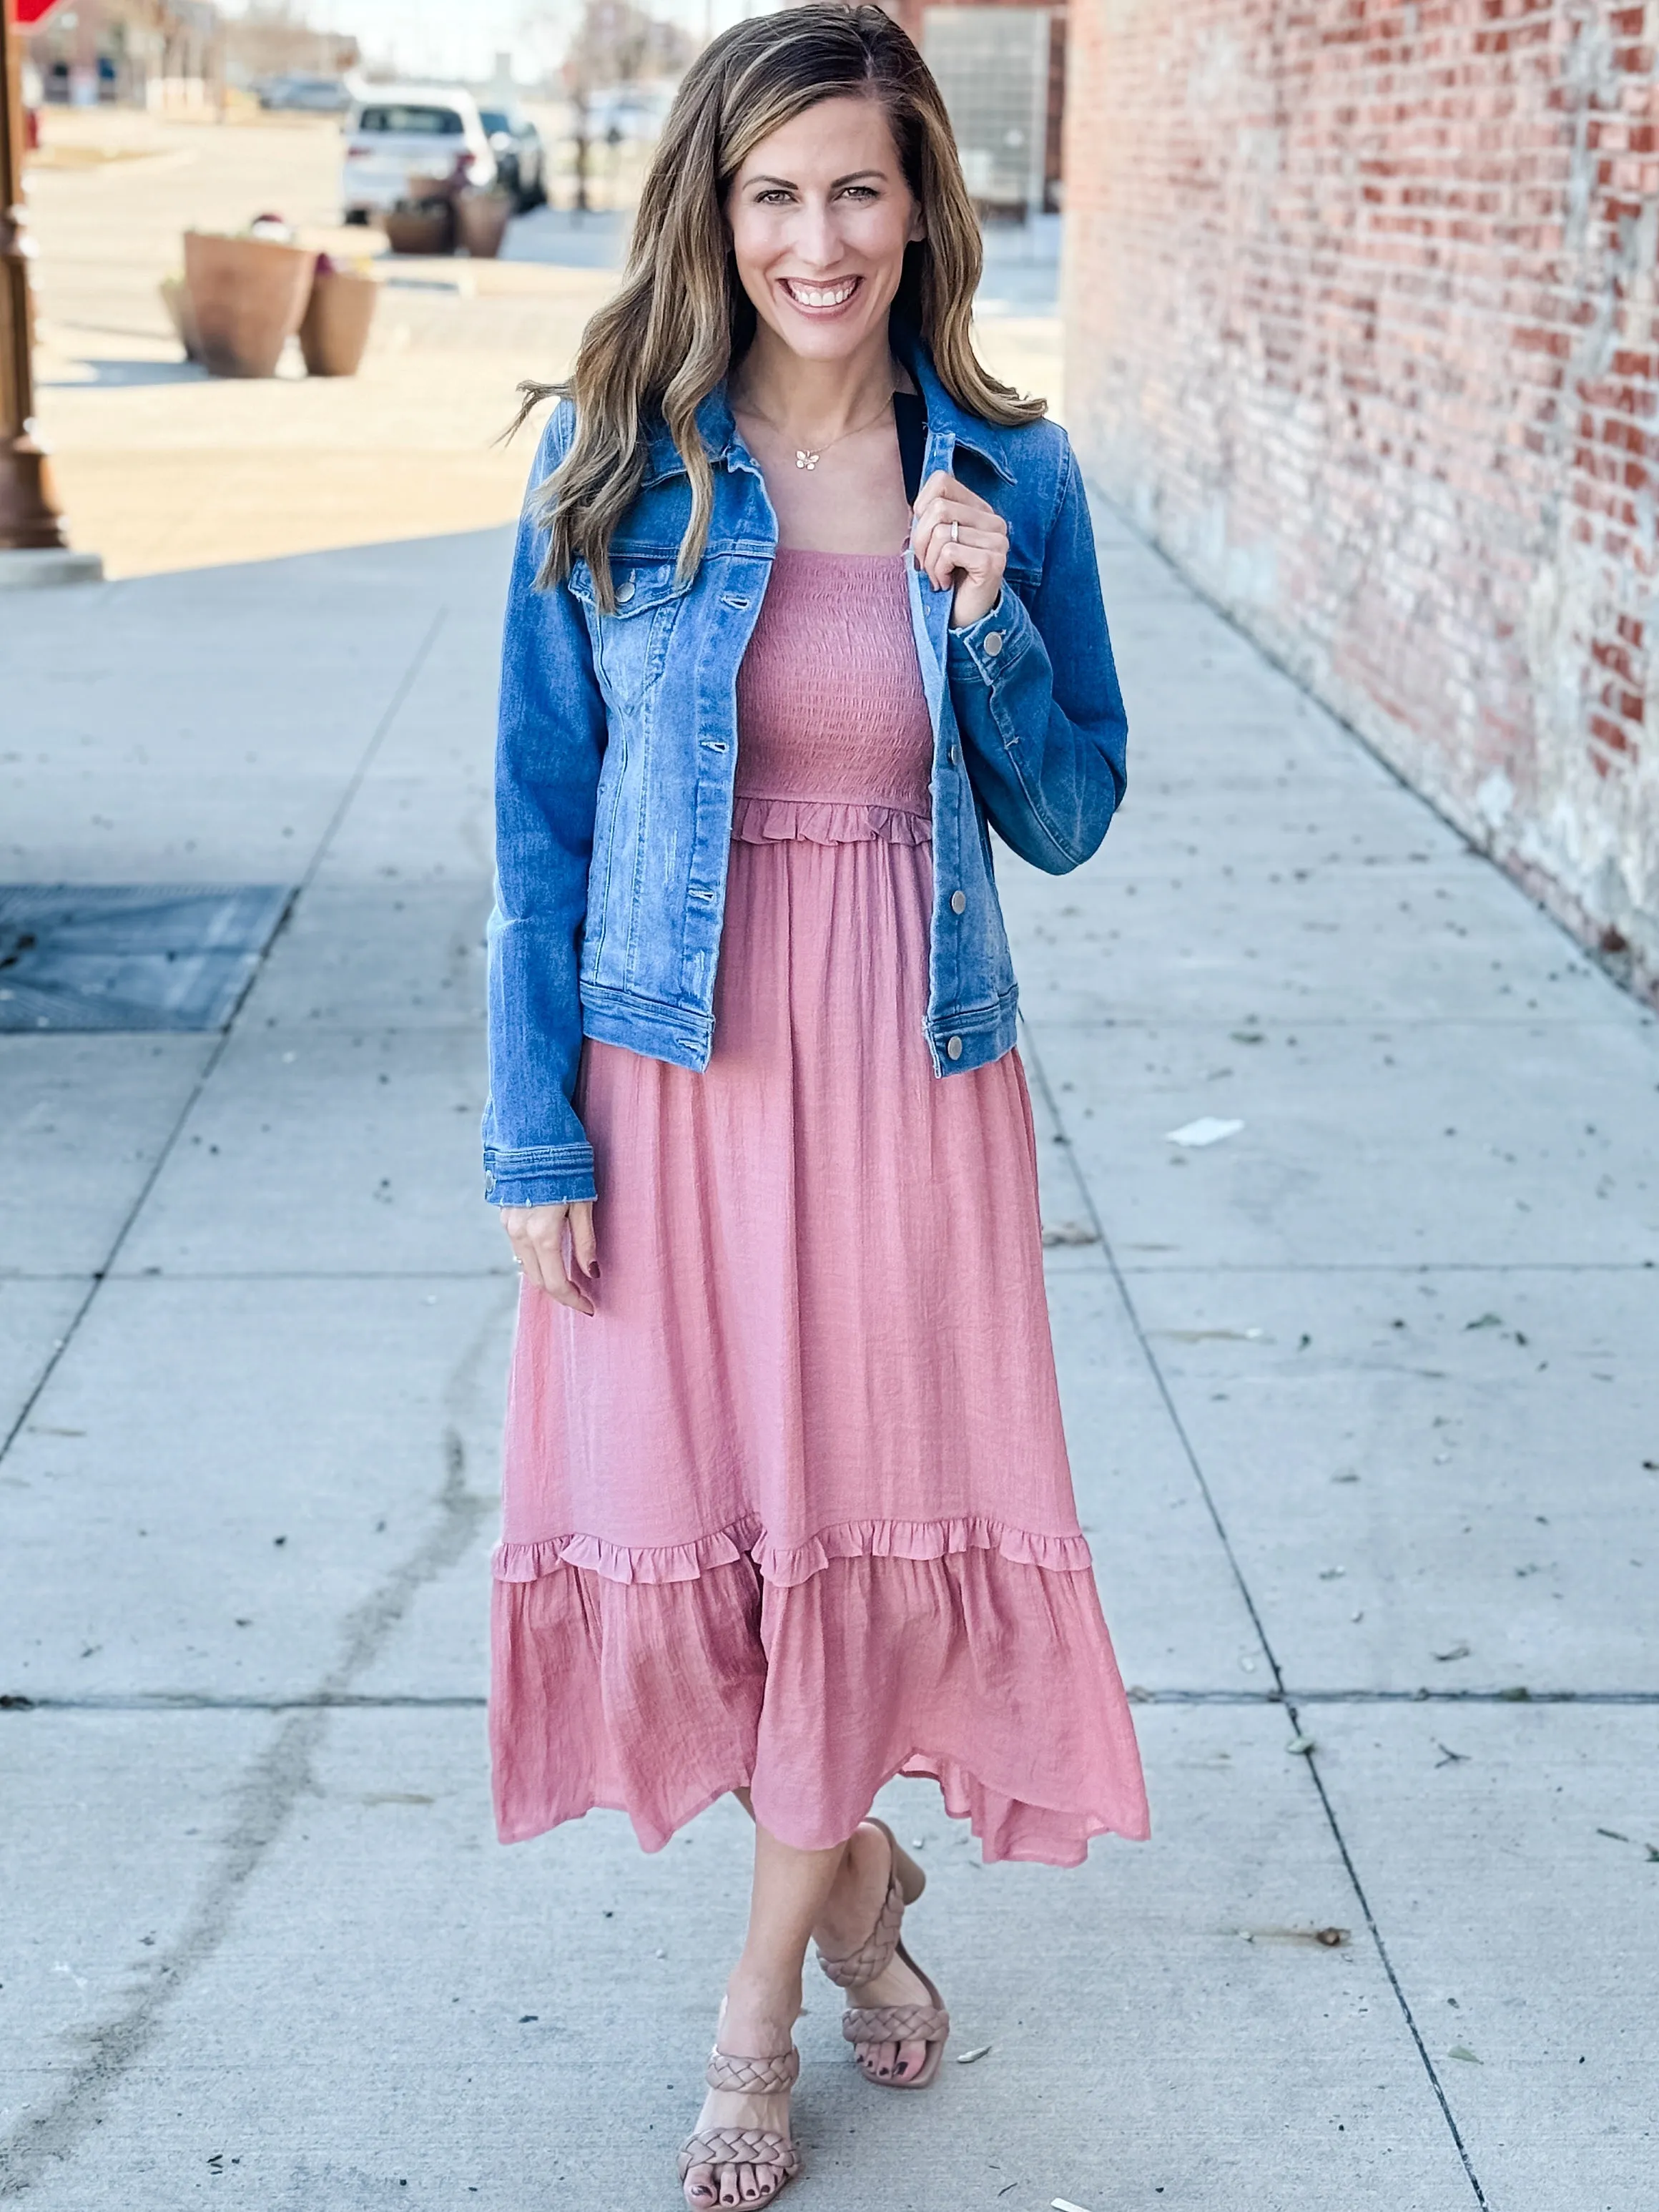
{"x": 481, "y": 221}
{"x": 247, "y": 296}
{"x": 420, "y": 226}
{"x": 335, "y": 331}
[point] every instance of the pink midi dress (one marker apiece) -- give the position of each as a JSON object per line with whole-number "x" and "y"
{"x": 793, "y": 1509}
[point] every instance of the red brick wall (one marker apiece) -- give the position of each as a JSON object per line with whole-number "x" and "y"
{"x": 1362, "y": 329}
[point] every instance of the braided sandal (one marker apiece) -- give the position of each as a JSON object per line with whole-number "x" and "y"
{"x": 895, "y": 2023}
{"x": 758, "y": 2077}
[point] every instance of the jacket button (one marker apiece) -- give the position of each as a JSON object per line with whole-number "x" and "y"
{"x": 625, "y": 592}
{"x": 993, "y": 643}
{"x": 953, "y": 1050}
{"x": 959, "y": 901}
{"x": 489, "y": 1186}
{"x": 952, "y": 755}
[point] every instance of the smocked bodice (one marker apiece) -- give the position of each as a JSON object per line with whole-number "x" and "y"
{"x": 835, "y": 742}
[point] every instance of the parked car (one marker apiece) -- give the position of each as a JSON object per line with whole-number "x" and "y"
{"x": 520, "y": 157}
{"x": 412, "y": 142}
{"x": 311, "y": 95}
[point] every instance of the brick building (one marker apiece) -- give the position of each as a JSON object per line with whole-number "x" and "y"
{"x": 1362, "y": 329}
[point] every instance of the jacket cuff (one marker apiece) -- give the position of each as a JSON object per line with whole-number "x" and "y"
{"x": 539, "y": 1174}
{"x": 990, "y": 648}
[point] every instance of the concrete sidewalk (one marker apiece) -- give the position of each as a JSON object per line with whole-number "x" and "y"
{"x": 1364, "y": 1416}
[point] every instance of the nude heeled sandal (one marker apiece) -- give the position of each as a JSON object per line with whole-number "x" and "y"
{"x": 759, "y": 2077}
{"x": 896, "y": 2023}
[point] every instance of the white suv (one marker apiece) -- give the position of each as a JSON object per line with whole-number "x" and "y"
{"x": 411, "y": 142}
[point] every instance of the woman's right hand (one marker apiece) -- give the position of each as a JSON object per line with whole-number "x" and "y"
{"x": 537, "y": 1234}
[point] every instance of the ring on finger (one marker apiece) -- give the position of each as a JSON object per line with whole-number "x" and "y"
{"x": 956, "y": 533}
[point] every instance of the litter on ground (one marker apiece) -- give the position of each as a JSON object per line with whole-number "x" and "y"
{"x": 1208, "y": 1129}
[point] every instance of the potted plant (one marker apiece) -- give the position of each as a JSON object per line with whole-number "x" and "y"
{"x": 420, "y": 226}
{"x": 481, "y": 221}
{"x": 247, "y": 297}
{"x": 335, "y": 331}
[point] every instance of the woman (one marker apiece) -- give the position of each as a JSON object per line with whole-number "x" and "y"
{"x": 805, "y": 600}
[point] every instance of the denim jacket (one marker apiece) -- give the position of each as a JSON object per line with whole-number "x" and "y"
{"x": 617, "y": 755}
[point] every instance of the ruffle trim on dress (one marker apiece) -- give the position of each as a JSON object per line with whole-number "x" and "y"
{"x": 999, "y": 1681}
{"x": 759, "y": 821}
{"x": 789, "y": 1566}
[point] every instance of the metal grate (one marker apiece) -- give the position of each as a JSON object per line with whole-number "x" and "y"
{"x": 131, "y": 957}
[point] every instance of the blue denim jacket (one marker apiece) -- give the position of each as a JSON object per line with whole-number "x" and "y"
{"x": 617, "y": 748}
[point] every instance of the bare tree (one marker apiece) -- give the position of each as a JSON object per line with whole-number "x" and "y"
{"x": 609, "y": 45}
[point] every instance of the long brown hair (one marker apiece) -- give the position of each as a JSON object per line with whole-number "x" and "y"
{"x": 681, "y": 318}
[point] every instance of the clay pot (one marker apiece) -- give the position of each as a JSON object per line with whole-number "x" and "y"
{"x": 335, "y": 331}
{"x": 247, "y": 296}
{"x": 481, "y": 221}
{"x": 420, "y": 226}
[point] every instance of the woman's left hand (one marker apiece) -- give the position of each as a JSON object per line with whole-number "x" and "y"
{"x": 976, "y": 556}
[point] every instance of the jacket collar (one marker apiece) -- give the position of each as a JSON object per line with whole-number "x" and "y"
{"x": 720, "y": 433}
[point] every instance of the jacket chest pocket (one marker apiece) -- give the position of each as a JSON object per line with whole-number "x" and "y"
{"x": 631, "y": 644}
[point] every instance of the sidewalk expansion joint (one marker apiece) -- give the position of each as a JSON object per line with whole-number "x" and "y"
{"x": 192, "y": 1701}
{"x": 1517, "y": 1696}
{"x": 277, "y": 1701}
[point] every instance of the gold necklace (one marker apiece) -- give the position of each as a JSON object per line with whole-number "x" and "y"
{"x": 807, "y": 456}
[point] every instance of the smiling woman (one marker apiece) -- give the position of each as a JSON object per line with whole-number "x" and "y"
{"x": 805, "y": 605}
{"x": 677, "y": 322}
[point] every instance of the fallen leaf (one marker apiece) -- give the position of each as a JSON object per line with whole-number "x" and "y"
{"x": 1069, "y": 1232}
{"x": 1463, "y": 2051}
{"x": 1454, "y": 1651}
{"x": 1448, "y": 1757}
{"x": 1486, "y": 1320}
{"x": 1302, "y": 1744}
{"x": 966, "y": 2058}
{"x": 1612, "y": 1835}
{"x": 1324, "y": 1939}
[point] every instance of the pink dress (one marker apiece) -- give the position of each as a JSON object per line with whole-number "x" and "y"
{"x": 793, "y": 1509}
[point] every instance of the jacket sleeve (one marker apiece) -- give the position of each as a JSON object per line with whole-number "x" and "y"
{"x": 1037, "y": 699}
{"x": 550, "y": 742}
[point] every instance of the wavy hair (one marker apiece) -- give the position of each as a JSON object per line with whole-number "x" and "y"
{"x": 681, "y": 319}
